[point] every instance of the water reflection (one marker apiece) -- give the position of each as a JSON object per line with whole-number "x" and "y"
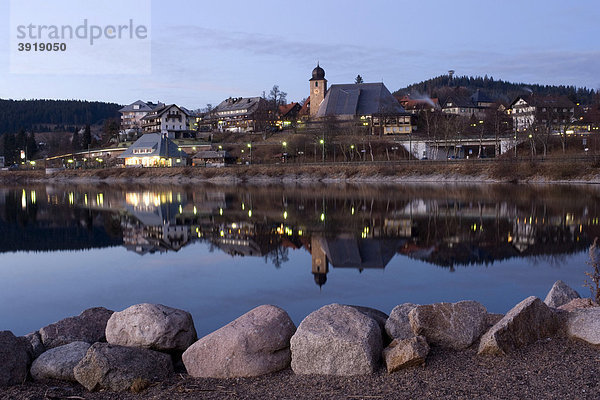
{"x": 340, "y": 226}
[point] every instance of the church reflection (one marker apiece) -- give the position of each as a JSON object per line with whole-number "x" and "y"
{"x": 350, "y": 227}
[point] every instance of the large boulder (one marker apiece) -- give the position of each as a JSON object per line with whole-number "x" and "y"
{"x": 560, "y": 294}
{"x": 256, "y": 343}
{"x": 151, "y": 326}
{"x": 527, "y": 322}
{"x": 118, "y": 368}
{"x": 37, "y": 346}
{"x": 397, "y": 325}
{"x": 379, "y": 316}
{"x": 89, "y": 326}
{"x": 336, "y": 340}
{"x": 584, "y": 324}
{"x": 14, "y": 358}
{"x": 577, "y": 304}
{"x": 406, "y": 353}
{"x": 59, "y": 362}
{"x": 453, "y": 325}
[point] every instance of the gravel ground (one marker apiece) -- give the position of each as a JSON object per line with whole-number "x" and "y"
{"x": 553, "y": 369}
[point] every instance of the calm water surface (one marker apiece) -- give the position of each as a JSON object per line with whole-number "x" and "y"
{"x": 218, "y": 251}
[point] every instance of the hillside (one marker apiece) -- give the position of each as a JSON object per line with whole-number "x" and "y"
{"x": 442, "y": 86}
{"x": 45, "y": 115}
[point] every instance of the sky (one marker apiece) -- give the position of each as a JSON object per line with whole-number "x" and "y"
{"x": 206, "y": 51}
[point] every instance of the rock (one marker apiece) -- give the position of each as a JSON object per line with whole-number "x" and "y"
{"x": 151, "y": 326}
{"x": 37, "y": 346}
{"x": 584, "y": 324}
{"x": 527, "y": 322}
{"x": 256, "y": 343}
{"x": 405, "y": 353}
{"x": 492, "y": 319}
{"x": 89, "y": 326}
{"x": 577, "y": 304}
{"x": 397, "y": 325}
{"x": 453, "y": 325}
{"x": 336, "y": 340}
{"x": 117, "y": 368}
{"x": 379, "y": 316}
{"x": 14, "y": 359}
{"x": 59, "y": 362}
{"x": 560, "y": 294}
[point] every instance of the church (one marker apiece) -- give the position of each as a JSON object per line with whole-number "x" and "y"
{"x": 372, "y": 104}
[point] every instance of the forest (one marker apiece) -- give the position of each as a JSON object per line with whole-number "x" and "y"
{"x": 498, "y": 90}
{"x": 45, "y": 115}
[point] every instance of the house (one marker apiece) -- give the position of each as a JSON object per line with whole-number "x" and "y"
{"x": 154, "y": 150}
{"x": 474, "y": 105}
{"x": 288, "y": 114}
{"x": 370, "y": 104}
{"x": 416, "y": 105}
{"x": 212, "y": 158}
{"x": 170, "y": 120}
{"x": 550, "y": 111}
{"x": 242, "y": 115}
{"x": 132, "y": 114}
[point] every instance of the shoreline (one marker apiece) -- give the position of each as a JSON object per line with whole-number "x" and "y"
{"x": 496, "y": 172}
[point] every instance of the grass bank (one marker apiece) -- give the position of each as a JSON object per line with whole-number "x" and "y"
{"x": 417, "y": 171}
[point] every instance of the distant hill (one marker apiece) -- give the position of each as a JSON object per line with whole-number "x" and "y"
{"x": 38, "y": 114}
{"x": 442, "y": 86}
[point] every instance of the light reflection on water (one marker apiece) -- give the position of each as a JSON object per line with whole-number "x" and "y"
{"x": 219, "y": 251}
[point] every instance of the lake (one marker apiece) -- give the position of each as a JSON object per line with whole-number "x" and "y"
{"x": 218, "y": 251}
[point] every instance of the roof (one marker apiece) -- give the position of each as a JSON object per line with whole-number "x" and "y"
{"x": 286, "y": 108}
{"x": 358, "y": 99}
{"x": 160, "y": 146}
{"x": 350, "y": 252}
{"x": 211, "y": 154}
{"x": 157, "y": 112}
{"x": 249, "y": 104}
{"x": 545, "y": 101}
{"x": 480, "y": 97}
{"x": 143, "y": 106}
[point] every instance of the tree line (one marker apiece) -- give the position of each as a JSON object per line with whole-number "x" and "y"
{"x": 442, "y": 86}
{"x": 34, "y": 115}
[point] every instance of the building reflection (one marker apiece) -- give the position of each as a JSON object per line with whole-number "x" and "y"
{"x": 352, "y": 227}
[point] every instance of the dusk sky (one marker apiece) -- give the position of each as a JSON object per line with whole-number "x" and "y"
{"x": 206, "y": 51}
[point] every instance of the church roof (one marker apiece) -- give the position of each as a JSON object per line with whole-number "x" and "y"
{"x": 358, "y": 99}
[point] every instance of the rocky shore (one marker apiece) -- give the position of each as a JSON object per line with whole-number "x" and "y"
{"x": 539, "y": 349}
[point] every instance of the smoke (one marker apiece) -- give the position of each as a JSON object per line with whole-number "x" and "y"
{"x": 422, "y": 97}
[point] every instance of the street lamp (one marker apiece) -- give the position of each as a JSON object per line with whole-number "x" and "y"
{"x": 284, "y": 144}
{"x": 250, "y": 147}
{"x": 323, "y": 148}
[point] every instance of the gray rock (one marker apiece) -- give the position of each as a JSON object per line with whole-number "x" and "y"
{"x": 336, "y": 340}
{"x": 560, "y": 294}
{"x": 256, "y": 343}
{"x": 527, "y": 322}
{"x": 59, "y": 362}
{"x": 151, "y": 326}
{"x": 14, "y": 359}
{"x": 117, "y": 368}
{"x": 577, "y": 304}
{"x": 405, "y": 353}
{"x": 397, "y": 325}
{"x": 492, "y": 319}
{"x": 379, "y": 316}
{"x": 89, "y": 326}
{"x": 453, "y": 325}
{"x": 37, "y": 346}
{"x": 584, "y": 324}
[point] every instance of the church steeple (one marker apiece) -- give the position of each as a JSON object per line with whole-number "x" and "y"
{"x": 318, "y": 89}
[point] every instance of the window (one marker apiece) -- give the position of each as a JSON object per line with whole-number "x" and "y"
{"x": 317, "y": 84}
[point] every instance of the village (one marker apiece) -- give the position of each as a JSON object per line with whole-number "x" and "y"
{"x": 341, "y": 123}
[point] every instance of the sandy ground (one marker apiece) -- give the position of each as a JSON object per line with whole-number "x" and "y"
{"x": 551, "y": 369}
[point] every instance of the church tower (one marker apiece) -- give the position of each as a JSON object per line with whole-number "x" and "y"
{"x": 318, "y": 89}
